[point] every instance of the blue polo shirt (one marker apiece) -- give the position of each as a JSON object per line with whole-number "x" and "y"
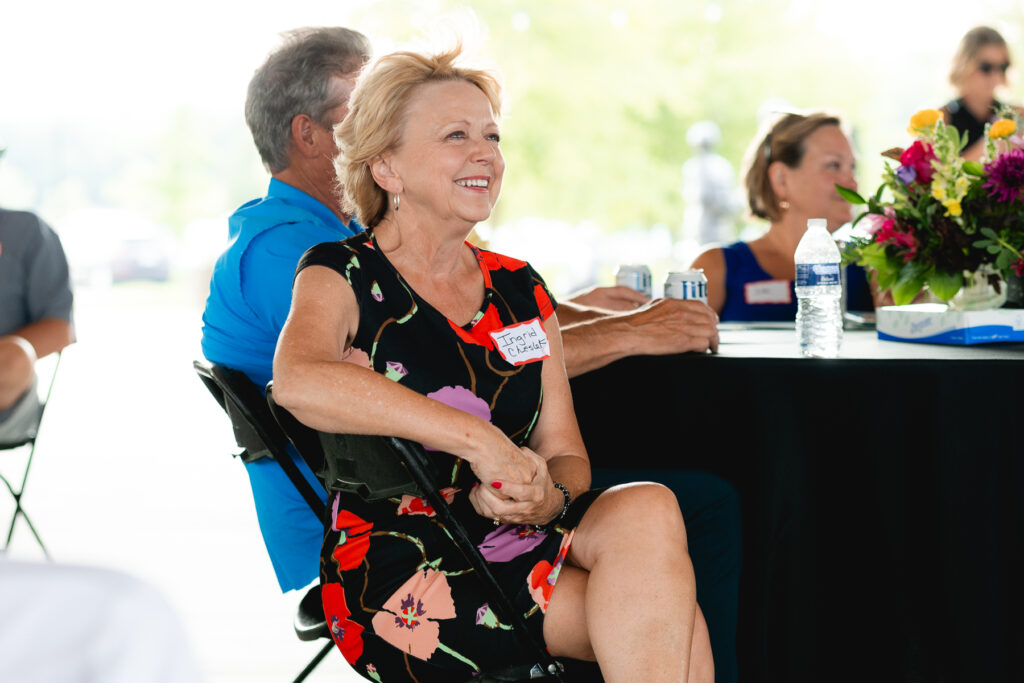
{"x": 250, "y": 295}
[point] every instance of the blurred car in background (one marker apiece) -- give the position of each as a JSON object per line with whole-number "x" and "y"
{"x": 107, "y": 246}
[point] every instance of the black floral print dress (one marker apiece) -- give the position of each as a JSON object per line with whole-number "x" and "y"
{"x": 401, "y": 601}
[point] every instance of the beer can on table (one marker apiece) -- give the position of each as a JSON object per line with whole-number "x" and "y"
{"x": 635, "y": 277}
{"x": 687, "y": 284}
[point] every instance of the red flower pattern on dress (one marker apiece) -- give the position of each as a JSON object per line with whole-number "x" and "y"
{"x": 544, "y": 574}
{"x": 347, "y": 634}
{"x": 415, "y": 505}
{"x": 544, "y": 304}
{"x": 354, "y": 539}
{"x": 408, "y": 618}
{"x": 480, "y": 332}
{"x": 493, "y": 261}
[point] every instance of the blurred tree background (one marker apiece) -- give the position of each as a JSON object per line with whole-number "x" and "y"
{"x": 599, "y": 95}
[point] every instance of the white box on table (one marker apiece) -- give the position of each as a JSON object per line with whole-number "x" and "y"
{"x": 936, "y": 324}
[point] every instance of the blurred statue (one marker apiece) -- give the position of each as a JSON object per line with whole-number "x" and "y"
{"x": 709, "y": 188}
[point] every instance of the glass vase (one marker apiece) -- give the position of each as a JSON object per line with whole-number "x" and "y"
{"x": 980, "y": 291}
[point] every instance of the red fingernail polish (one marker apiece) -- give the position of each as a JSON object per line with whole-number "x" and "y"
{"x": 496, "y": 484}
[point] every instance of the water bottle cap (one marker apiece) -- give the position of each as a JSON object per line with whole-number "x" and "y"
{"x": 817, "y": 223}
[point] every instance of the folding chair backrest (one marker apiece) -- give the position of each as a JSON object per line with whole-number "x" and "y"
{"x": 365, "y": 465}
{"x": 257, "y": 434}
{"x": 256, "y": 430}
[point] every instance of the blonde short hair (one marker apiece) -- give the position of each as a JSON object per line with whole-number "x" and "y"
{"x": 972, "y": 42}
{"x": 376, "y": 119}
{"x": 783, "y": 142}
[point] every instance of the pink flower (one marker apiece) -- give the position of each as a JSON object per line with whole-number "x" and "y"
{"x": 919, "y": 157}
{"x": 509, "y": 541}
{"x": 408, "y": 618}
{"x": 356, "y": 357}
{"x": 888, "y": 233}
{"x": 874, "y": 222}
{"x": 1018, "y": 266}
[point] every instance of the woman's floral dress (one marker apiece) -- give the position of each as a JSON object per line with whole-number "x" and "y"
{"x": 401, "y": 601}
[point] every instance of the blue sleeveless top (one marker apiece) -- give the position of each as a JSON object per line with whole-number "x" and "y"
{"x": 751, "y": 294}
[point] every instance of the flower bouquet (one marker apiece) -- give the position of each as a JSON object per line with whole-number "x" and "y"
{"x": 940, "y": 221}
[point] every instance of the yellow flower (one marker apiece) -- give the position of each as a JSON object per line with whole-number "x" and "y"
{"x": 1002, "y": 128}
{"x": 926, "y": 118}
{"x": 938, "y": 191}
{"x": 953, "y": 209}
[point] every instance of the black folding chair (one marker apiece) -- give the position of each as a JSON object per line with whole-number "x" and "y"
{"x": 379, "y": 467}
{"x": 28, "y": 441}
{"x": 259, "y": 436}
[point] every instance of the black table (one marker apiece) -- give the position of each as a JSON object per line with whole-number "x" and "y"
{"x": 882, "y": 495}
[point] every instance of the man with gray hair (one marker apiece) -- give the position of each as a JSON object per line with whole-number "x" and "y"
{"x": 294, "y": 101}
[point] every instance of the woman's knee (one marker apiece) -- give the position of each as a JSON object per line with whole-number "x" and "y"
{"x": 632, "y": 514}
{"x": 647, "y": 503}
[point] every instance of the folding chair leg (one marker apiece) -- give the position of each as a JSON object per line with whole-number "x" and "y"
{"x": 31, "y": 527}
{"x": 313, "y": 662}
{"x": 18, "y": 510}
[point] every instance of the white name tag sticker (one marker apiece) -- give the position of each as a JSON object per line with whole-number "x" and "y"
{"x": 522, "y": 343}
{"x": 767, "y": 292}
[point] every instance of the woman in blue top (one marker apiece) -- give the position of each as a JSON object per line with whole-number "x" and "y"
{"x": 791, "y": 177}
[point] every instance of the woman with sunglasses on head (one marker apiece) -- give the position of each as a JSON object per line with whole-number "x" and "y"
{"x": 979, "y": 67}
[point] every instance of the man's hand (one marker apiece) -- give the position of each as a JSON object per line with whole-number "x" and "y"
{"x": 662, "y": 326}
{"x": 673, "y": 326}
{"x": 616, "y": 298}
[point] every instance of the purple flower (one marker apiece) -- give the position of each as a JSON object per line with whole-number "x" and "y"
{"x": 906, "y": 174}
{"x": 395, "y": 371}
{"x": 509, "y": 541}
{"x": 1006, "y": 176}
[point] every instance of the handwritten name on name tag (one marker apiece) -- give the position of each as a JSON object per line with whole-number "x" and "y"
{"x": 523, "y": 343}
{"x": 767, "y": 292}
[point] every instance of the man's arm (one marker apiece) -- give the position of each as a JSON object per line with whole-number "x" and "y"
{"x": 19, "y": 351}
{"x": 598, "y": 302}
{"x": 663, "y": 326}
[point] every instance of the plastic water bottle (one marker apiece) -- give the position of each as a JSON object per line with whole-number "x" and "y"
{"x": 819, "y": 291}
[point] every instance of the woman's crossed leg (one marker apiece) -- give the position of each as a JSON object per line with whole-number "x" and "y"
{"x": 626, "y": 595}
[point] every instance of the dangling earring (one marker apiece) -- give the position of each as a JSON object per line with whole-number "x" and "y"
{"x": 397, "y": 202}
{"x": 783, "y": 204}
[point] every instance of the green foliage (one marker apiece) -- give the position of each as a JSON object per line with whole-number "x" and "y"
{"x": 909, "y": 281}
{"x": 944, "y": 285}
{"x": 850, "y": 195}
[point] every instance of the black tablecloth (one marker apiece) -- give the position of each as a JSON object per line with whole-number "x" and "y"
{"x": 882, "y": 494}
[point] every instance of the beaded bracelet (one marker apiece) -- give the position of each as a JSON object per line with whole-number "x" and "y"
{"x": 568, "y": 498}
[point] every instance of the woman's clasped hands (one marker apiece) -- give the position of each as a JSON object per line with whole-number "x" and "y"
{"x": 531, "y": 499}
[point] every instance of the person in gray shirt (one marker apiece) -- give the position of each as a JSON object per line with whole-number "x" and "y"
{"x": 35, "y": 315}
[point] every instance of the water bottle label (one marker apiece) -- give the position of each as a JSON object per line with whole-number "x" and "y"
{"x": 817, "y": 274}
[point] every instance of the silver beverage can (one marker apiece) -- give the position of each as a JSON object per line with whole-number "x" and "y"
{"x": 635, "y": 277}
{"x": 687, "y": 284}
